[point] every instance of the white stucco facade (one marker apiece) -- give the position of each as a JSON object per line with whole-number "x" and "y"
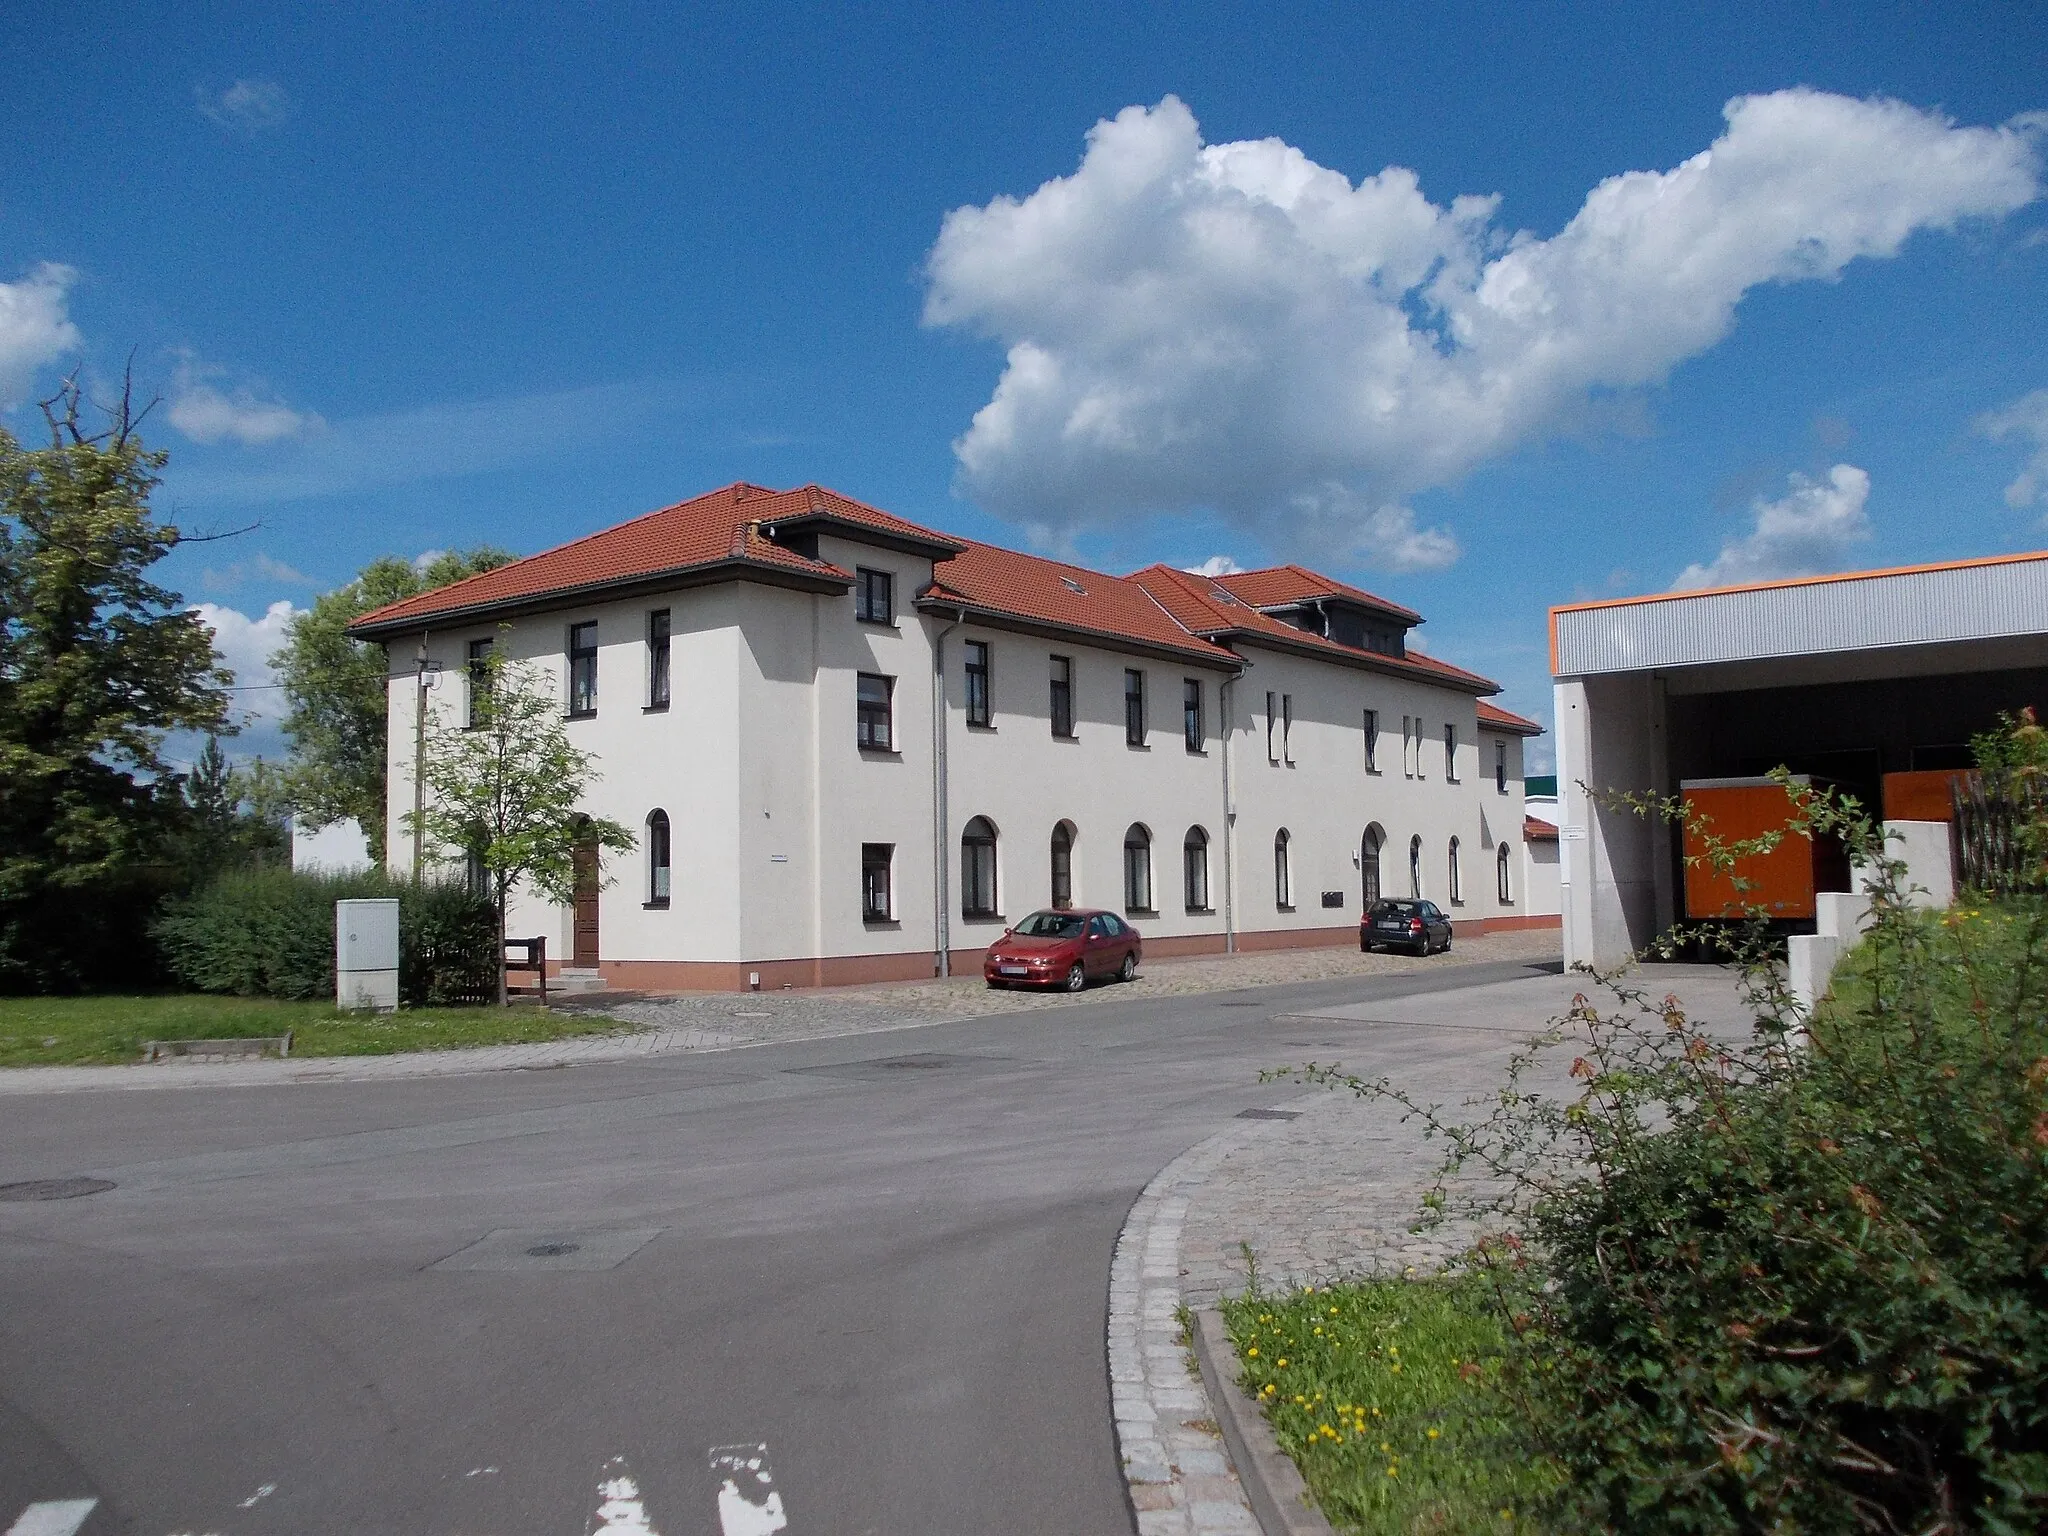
{"x": 771, "y": 798}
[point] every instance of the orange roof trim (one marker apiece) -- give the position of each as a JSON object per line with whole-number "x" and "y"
{"x": 1831, "y": 578}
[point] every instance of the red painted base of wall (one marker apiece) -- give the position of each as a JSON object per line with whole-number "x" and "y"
{"x": 1479, "y": 925}
{"x": 736, "y": 976}
{"x": 922, "y": 965}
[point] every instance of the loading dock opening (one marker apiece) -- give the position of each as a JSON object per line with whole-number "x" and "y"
{"x": 1853, "y": 679}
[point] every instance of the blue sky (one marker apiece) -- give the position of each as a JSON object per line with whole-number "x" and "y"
{"x": 420, "y": 277}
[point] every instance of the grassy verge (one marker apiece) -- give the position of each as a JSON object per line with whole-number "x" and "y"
{"x": 1386, "y": 1395}
{"x": 71, "y": 1031}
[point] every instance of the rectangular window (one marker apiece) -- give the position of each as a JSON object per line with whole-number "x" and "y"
{"x": 1062, "y": 696}
{"x": 1272, "y": 727}
{"x": 1372, "y": 741}
{"x": 1450, "y": 754}
{"x": 977, "y": 682}
{"x": 1500, "y": 766}
{"x": 874, "y": 596}
{"x": 1134, "y": 707}
{"x": 657, "y": 659}
{"x": 875, "y": 903}
{"x": 877, "y": 730}
{"x": 479, "y": 681}
{"x": 583, "y": 669}
{"x": 1191, "y": 713}
{"x": 1287, "y": 729}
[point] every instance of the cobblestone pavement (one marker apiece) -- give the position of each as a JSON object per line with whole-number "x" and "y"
{"x": 968, "y": 996}
{"x": 1329, "y": 1194}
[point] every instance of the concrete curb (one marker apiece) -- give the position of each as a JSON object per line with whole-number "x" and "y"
{"x": 1177, "y": 1469}
{"x": 1271, "y": 1481}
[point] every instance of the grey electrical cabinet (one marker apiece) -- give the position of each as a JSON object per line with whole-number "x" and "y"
{"x": 366, "y": 955}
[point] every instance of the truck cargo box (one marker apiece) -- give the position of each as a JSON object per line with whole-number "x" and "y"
{"x": 1782, "y": 882}
{"x": 1928, "y": 795}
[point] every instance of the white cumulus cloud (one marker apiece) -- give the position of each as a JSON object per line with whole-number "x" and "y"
{"x": 207, "y": 412}
{"x": 257, "y": 708}
{"x": 1233, "y": 326}
{"x": 1214, "y": 566}
{"x": 1806, "y": 532}
{"x": 244, "y": 107}
{"x": 2025, "y": 418}
{"x": 35, "y": 328}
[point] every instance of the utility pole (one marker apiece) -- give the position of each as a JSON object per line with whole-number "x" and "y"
{"x": 419, "y": 757}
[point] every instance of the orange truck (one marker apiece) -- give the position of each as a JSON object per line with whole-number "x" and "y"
{"x": 1782, "y": 882}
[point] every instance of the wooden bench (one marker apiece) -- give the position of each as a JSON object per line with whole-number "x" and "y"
{"x": 534, "y": 960}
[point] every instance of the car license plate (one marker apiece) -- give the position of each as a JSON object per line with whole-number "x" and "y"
{"x": 1392, "y": 927}
{"x": 1014, "y": 970}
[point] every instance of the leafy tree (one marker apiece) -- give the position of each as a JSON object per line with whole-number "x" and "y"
{"x": 236, "y": 816}
{"x": 97, "y": 663}
{"x": 503, "y": 794}
{"x": 337, "y": 692}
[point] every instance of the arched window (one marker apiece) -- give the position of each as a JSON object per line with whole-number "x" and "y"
{"x": 1137, "y": 869}
{"x": 978, "y": 869}
{"x": 1501, "y": 860}
{"x": 1063, "y": 865}
{"x": 1457, "y": 886}
{"x": 1194, "y": 853}
{"x": 1415, "y": 867}
{"x": 657, "y": 858}
{"x": 1369, "y": 861}
{"x": 1283, "y": 874}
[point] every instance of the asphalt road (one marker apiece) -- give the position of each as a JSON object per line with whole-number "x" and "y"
{"x": 317, "y": 1308}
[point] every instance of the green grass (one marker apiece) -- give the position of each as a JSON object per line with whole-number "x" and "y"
{"x": 71, "y": 1031}
{"x": 1385, "y": 1393}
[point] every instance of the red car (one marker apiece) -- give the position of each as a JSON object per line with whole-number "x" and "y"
{"x": 1063, "y": 949}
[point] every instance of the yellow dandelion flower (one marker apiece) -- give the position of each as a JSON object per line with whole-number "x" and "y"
{"x": 1432, "y": 1434}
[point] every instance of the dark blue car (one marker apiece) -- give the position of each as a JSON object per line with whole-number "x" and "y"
{"x": 1404, "y": 923}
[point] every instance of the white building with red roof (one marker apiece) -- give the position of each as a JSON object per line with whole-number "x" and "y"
{"x": 856, "y": 748}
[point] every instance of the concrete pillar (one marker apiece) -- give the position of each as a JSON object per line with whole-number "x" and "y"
{"x": 1617, "y": 883}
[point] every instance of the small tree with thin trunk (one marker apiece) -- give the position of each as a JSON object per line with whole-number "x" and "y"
{"x": 503, "y": 794}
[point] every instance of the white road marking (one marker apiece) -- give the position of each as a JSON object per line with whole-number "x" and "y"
{"x": 53, "y": 1517}
{"x": 748, "y": 1502}
{"x": 258, "y": 1496}
{"x": 480, "y": 1471}
{"x": 619, "y": 1509}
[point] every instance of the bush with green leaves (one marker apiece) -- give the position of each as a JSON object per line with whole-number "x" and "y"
{"x": 1796, "y": 1281}
{"x": 270, "y": 933}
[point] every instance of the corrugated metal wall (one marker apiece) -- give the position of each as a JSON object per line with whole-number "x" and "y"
{"x": 1974, "y": 602}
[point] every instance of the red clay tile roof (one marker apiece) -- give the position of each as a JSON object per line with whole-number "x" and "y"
{"x": 1003, "y": 582}
{"x": 1158, "y": 607}
{"x": 1536, "y": 831}
{"x": 1279, "y": 585}
{"x": 721, "y": 528}
{"x": 1205, "y": 606}
{"x": 1493, "y": 717}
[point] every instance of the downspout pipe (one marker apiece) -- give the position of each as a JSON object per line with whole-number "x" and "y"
{"x": 942, "y": 913}
{"x": 1229, "y": 816}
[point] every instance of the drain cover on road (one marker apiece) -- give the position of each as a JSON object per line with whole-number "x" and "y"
{"x": 514, "y": 1248}
{"x": 54, "y": 1189}
{"x": 1269, "y": 1114}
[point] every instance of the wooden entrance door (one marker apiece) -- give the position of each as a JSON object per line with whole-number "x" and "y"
{"x": 583, "y": 951}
